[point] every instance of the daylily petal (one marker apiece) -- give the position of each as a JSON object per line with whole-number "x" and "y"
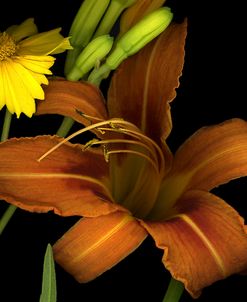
{"x": 215, "y": 154}
{"x": 136, "y": 12}
{"x": 212, "y": 156}
{"x": 205, "y": 242}
{"x": 69, "y": 181}
{"x": 73, "y": 99}
{"x": 144, "y": 85}
{"x": 25, "y": 29}
{"x": 94, "y": 245}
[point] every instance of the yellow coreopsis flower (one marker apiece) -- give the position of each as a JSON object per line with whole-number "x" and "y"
{"x": 24, "y": 61}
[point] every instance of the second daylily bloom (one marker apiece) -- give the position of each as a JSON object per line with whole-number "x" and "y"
{"x": 131, "y": 185}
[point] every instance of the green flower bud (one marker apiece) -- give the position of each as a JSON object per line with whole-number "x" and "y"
{"x": 114, "y": 10}
{"x": 83, "y": 28}
{"x": 133, "y": 40}
{"x": 139, "y": 35}
{"x": 86, "y": 21}
{"x": 95, "y": 51}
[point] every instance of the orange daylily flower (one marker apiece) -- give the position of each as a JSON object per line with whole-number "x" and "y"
{"x": 129, "y": 185}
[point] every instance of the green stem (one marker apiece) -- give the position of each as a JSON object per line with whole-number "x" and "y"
{"x": 71, "y": 58}
{"x": 99, "y": 74}
{"x": 6, "y": 125}
{"x": 65, "y": 127}
{"x": 11, "y": 208}
{"x": 174, "y": 291}
{"x": 6, "y": 217}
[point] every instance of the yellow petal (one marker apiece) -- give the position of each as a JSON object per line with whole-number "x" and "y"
{"x": 94, "y": 245}
{"x": 28, "y": 81}
{"x": 61, "y": 47}
{"x": 36, "y": 64}
{"x": 205, "y": 242}
{"x": 2, "y": 87}
{"x": 40, "y": 78}
{"x": 45, "y": 43}
{"x": 25, "y": 29}
{"x": 16, "y": 96}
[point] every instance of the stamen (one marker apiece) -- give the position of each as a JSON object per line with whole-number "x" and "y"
{"x": 114, "y": 141}
{"x": 136, "y": 153}
{"x": 89, "y": 118}
{"x": 120, "y": 126}
{"x": 153, "y": 143}
{"x": 90, "y": 143}
{"x": 106, "y": 153}
{"x": 141, "y": 137}
{"x": 89, "y": 128}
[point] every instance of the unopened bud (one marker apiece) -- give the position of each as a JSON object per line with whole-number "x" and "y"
{"x": 95, "y": 51}
{"x": 139, "y": 35}
{"x": 86, "y": 21}
{"x": 133, "y": 40}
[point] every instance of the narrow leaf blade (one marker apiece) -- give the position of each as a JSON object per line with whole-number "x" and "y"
{"x": 49, "y": 289}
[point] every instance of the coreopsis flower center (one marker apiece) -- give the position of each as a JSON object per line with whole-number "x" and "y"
{"x": 8, "y": 46}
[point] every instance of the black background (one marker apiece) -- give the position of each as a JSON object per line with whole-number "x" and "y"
{"x": 213, "y": 88}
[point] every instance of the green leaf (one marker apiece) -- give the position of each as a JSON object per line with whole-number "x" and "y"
{"x": 49, "y": 289}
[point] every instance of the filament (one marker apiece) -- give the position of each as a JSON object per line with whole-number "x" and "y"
{"x": 114, "y": 141}
{"x": 118, "y": 125}
{"x": 136, "y": 153}
{"x": 141, "y": 136}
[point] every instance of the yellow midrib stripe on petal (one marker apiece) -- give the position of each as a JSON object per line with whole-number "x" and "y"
{"x": 146, "y": 85}
{"x": 103, "y": 239}
{"x": 206, "y": 241}
{"x": 57, "y": 175}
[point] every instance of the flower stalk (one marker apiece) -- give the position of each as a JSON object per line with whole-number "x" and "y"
{"x": 174, "y": 291}
{"x": 4, "y": 136}
{"x": 6, "y": 217}
{"x": 6, "y": 125}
